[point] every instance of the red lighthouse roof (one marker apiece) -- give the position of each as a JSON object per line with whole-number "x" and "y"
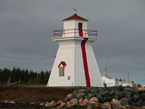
{"x": 75, "y": 17}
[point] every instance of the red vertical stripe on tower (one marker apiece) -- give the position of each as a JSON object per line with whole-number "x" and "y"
{"x": 80, "y": 32}
{"x": 85, "y": 62}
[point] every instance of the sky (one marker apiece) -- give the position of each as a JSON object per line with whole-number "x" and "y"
{"x": 27, "y": 26}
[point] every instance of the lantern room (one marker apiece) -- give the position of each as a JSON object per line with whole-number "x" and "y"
{"x": 75, "y": 26}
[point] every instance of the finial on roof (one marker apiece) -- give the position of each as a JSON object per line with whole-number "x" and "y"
{"x": 75, "y": 11}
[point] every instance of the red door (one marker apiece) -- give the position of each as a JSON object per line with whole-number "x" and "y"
{"x": 80, "y": 25}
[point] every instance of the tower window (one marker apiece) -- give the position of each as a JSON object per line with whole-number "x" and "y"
{"x": 80, "y": 26}
{"x": 61, "y": 67}
{"x": 61, "y": 71}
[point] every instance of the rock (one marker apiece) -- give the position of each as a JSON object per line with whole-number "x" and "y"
{"x": 127, "y": 93}
{"x": 129, "y": 89}
{"x": 75, "y": 93}
{"x": 41, "y": 104}
{"x": 114, "y": 101}
{"x": 74, "y": 101}
{"x": 107, "y": 98}
{"x": 100, "y": 98}
{"x": 124, "y": 101}
{"x": 117, "y": 97}
{"x": 89, "y": 96}
{"x": 143, "y": 96}
{"x": 58, "y": 107}
{"x": 97, "y": 104}
{"x": 84, "y": 102}
{"x": 63, "y": 104}
{"x": 128, "y": 106}
{"x": 80, "y": 100}
{"x": 87, "y": 90}
{"x": 138, "y": 103}
{"x": 89, "y": 107}
{"x": 32, "y": 103}
{"x": 48, "y": 105}
{"x": 119, "y": 88}
{"x": 81, "y": 95}
{"x": 91, "y": 102}
{"x": 81, "y": 90}
{"x": 53, "y": 103}
{"x": 12, "y": 102}
{"x": 140, "y": 91}
{"x": 107, "y": 104}
{"x": 119, "y": 93}
{"x": 112, "y": 92}
{"x": 94, "y": 90}
{"x": 68, "y": 104}
{"x": 104, "y": 93}
{"x": 59, "y": 102}
{"x": 72, "y": 97}
{"x": 115, "y": 105}
{"x": 94, "y": 99}
{"x": 69, "y": 95}
{"x": 143, "y": 103}
{"x": 136, "y": 97}
{"x": 66, "y": 99}
{"x": 103, "y": 107}
{"x": 6, "y": 101}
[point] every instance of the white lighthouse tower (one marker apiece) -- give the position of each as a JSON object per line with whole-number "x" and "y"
{"x": 75, "y": 63}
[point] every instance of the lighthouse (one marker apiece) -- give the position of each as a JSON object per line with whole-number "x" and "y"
{"x": 75, "y": 63}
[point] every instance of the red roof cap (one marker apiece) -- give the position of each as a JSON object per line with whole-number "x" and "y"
{"x": 62, "y": 63}
{"x": 75, "y": 16}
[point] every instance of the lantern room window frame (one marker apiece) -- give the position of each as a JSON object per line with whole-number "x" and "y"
{"x": 61, "y": 65}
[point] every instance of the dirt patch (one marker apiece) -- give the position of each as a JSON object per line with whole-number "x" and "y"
{"x": 33, "y": 94}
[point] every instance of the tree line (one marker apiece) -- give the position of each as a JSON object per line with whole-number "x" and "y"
{"x": 25, "y": 76}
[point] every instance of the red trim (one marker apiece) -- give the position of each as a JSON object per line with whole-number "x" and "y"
{"x": 70, "y": 31}
{"x": 76, "y": 17}
{"x": 88, "y": 84}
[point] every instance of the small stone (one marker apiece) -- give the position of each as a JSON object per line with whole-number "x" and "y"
{"x": 62, "y": 104}
{"x": 6, "y": 101}
{"x": 97, "y": 104}
{"x": 33, "y": 103}
{"x": 66, "y": 99}
{"x": 12, "y": 102}
{"x": 81, "y": 95}
{"x": 59, "y": 102}
{"x": 104, "y": 107}
{"x": 87, "y": 90}
{"x": 69, "y": 95}
{"x": 115, "y": 105}
{"x": 89, "y": 107}
{"x": 114, "y": 101}
{"x": 68, "y": 104}
{"x": 74, "y": 101}
{"x": 58, "y": 107}
{"x": 94, "y": 99}
{"x": 48, "y": 104}
{"x": 75, "y": 93}
{"x": 107, "y": 104}
{"x": 81, "y": 90}
{"x": 80, "y": 100}
{"x": 84, "y": 102}
{"x": 128, "y": 106}
{"x": 91, "y": 102}
{"x": 41, "y": 104}
{"x": 53, "y": 103}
